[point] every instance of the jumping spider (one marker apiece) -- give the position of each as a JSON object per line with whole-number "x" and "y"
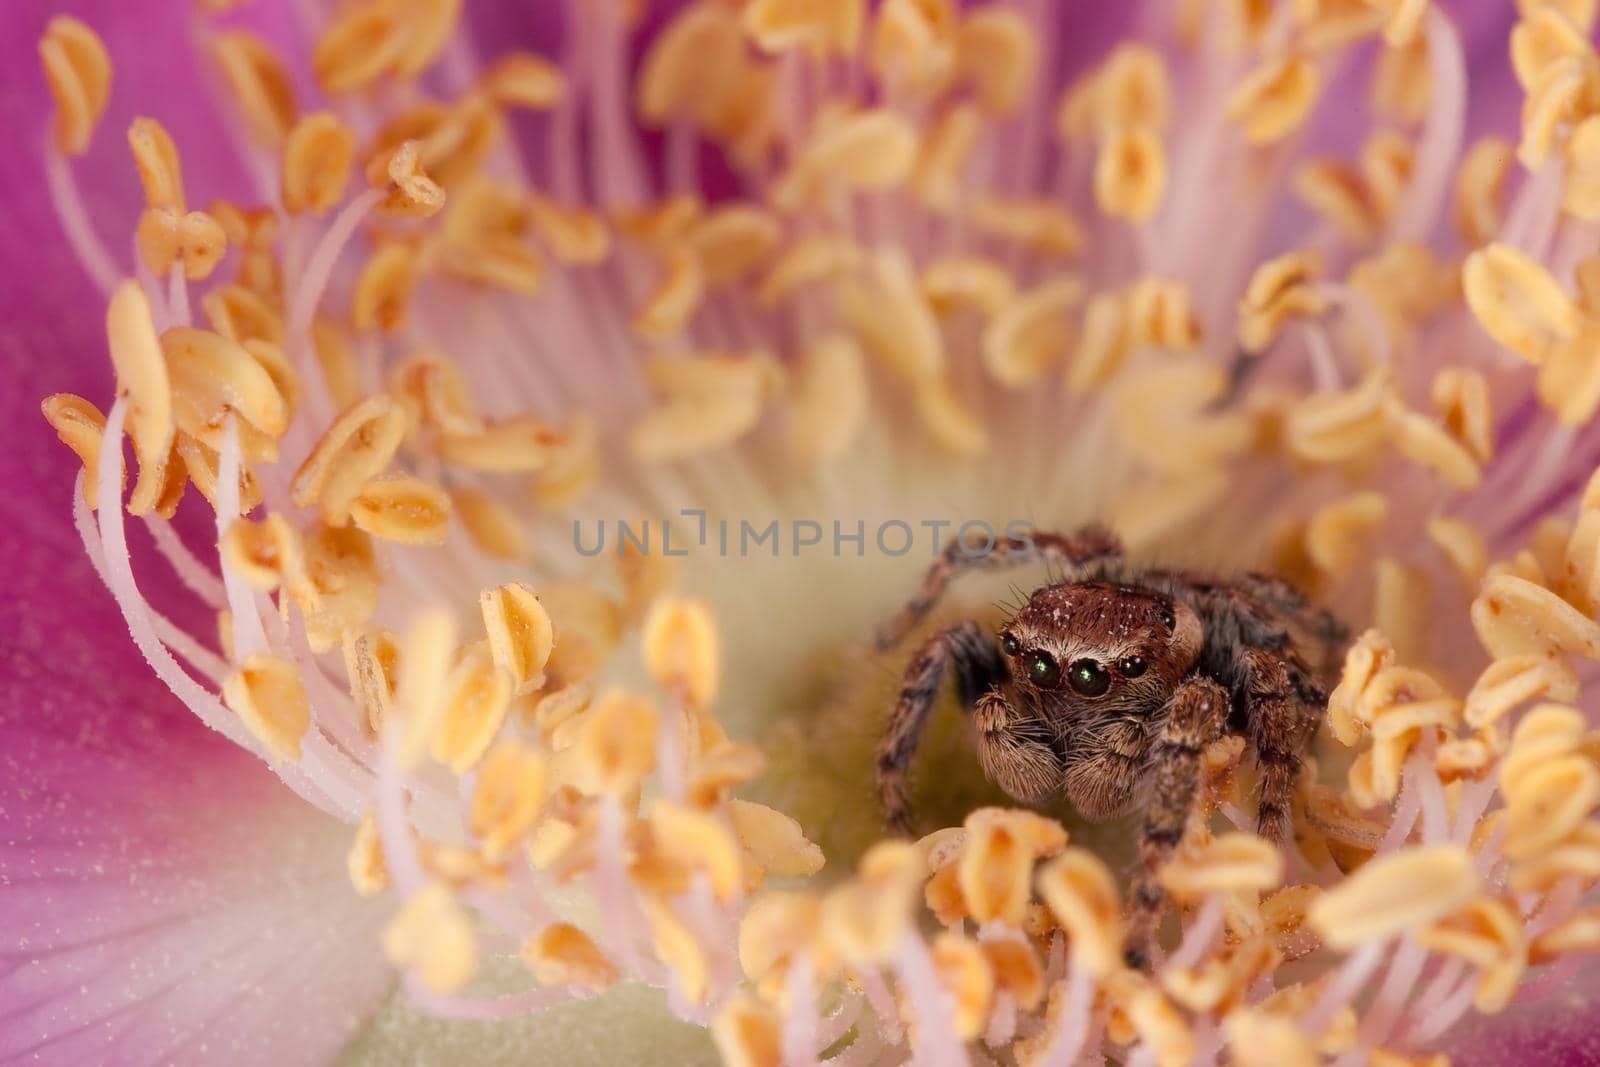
{"x": 1109, "y": 683}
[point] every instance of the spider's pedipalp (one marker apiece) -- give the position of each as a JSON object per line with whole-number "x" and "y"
{"x": 979, "y": 669}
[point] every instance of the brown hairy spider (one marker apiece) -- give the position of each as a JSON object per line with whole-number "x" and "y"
{"x": 1109, "y": 683}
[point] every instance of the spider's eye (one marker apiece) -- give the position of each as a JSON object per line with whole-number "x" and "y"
{"x": 1088, "y": 677}
{"x": 1009, "y": 644}
{"x": 1168, "y": 620}
{"x": 1043, "y": 670}
{"x": 1131, "y": 666}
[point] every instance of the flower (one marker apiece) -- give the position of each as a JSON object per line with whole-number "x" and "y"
{"x": 815, "y": 282}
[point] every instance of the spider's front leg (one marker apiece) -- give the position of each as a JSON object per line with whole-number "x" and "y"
{"x": 1073, "y": 553}
{"x": 1281, "y": 727}
{"x": 1193, "y": 718}
{"x": 980, "y": 673}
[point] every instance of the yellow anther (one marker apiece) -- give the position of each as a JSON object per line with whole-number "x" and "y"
{"x": 669, "y": 307}
{"x": 364, "y": 862}
{"x": 1332, "y": 427}
{"x": 1402, "y": 20}
{"x": 1161, "y": 314}
{"x": 949, "y": 420}
{"x": 213, "y": 377}
{"x": 1154, "y": 1019}
{"x": 829, "y": 402}
{"x": 81, "y": 427}
{"x": 352, "y": 451}
{"x": 680, "y": 949}
{"x": 411, "y": 192}
{"x": 995, "y": 868}
{"x": 1479, "y": 183}
{"x": 431, "y": 383}
{"x": 522, "y": 79}
{"x": 573, "y": 233}
{"x": 1258, "y": 1038}
{"x": 1336, "y": 192}
{"x": 690, "y": 69}
{"x": 1424, "y": 441}
{"x": 402, "y": 508}
{"x": 422, "y": 687}
{"x": 1231, "y": 863}
{"x": 521, "y": 634}
{"x": 260, "y": 83}
{"x": 1461, "y": 397}
{"x": 615, "y": 744}
{"x": 78, "y": 71}
{"x": 1274, "y": 99}
{"x": 520, "y": 443}
{"x": 1041, "y": 226}
{"x": 966, "y": 281}
{"x": 1329, "y": 24}
{"x": 270, "y": 699}
{"x": 1517, "y": 301}
{"x": 317, "y": 155}
{"x": 477, "y": 697}
{"x": 428, "y": 27}
{"x": 364, "y": 41}
{"x": 1082, "y": 894}
{"x": 892, "y": 319}
{"x": 384, "y": 288}
{"x": 682, "y": 649}
{"x": 506, "y": 797}
{"x": 563, "y": 955}
{"x": 700, "y": 841}
{"x": 1338, "y": 533}
{"x": 1565, "y": 93}
{"x": 494, "y": 528}
{"x": 659, "y": 223}
{"x": 1280, "y": 289}
{"x": 772, "y": 840}
{"x": 573, "y": 464}
{"x": 1030, "y": 335}
{"x": 775, "y": 927}
{"x": 1130, "y": 174}
{"x": 868, "y": 150}
{"x": 1514, "y": 616}
{"x": 748, "y": 1032}
{"x": 432, "y": 937}
{"x": 997, "y": 53}
{"x": 1462, "y": 545}
{"x": 913, "y": 45}
{"x": 863, "y": 919}
{"x": 1103, "y": 343}
{"x": 963, "y": 971}
{"x": 1132, "y": 90}
{"x": 166, "y": 237}
{"x": 1580, "y": 195}
{"x": 813, "y": 258}
{"x": 1401, "y": 606}
{"x": 265, "y": 553}
{"x": 819, "y": 26}
{"x": 200, "y": 463}
{"x": 1366, "y": 658}
{"x": 1393, "y": 894}
{"x": 1402, "y": 84}
{"x": 1407, "y": 284}
{"x": 1385, "y": 162}
{"x": 937, "y": 180}
{"x": 732, "y": 241}
{"x": 590, "y": 624}
{"x": 1165, "y": 415}
{"x": 156, "y": 158}
{"x": 710, "y": 401}
{"x": 371, "y": 664}
{"x": 1544, "y": 36}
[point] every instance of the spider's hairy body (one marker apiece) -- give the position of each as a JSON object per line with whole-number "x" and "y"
{"x": 1107, "y": 685}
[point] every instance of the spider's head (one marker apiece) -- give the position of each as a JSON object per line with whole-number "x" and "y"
{"x": 1086, "y": 646}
